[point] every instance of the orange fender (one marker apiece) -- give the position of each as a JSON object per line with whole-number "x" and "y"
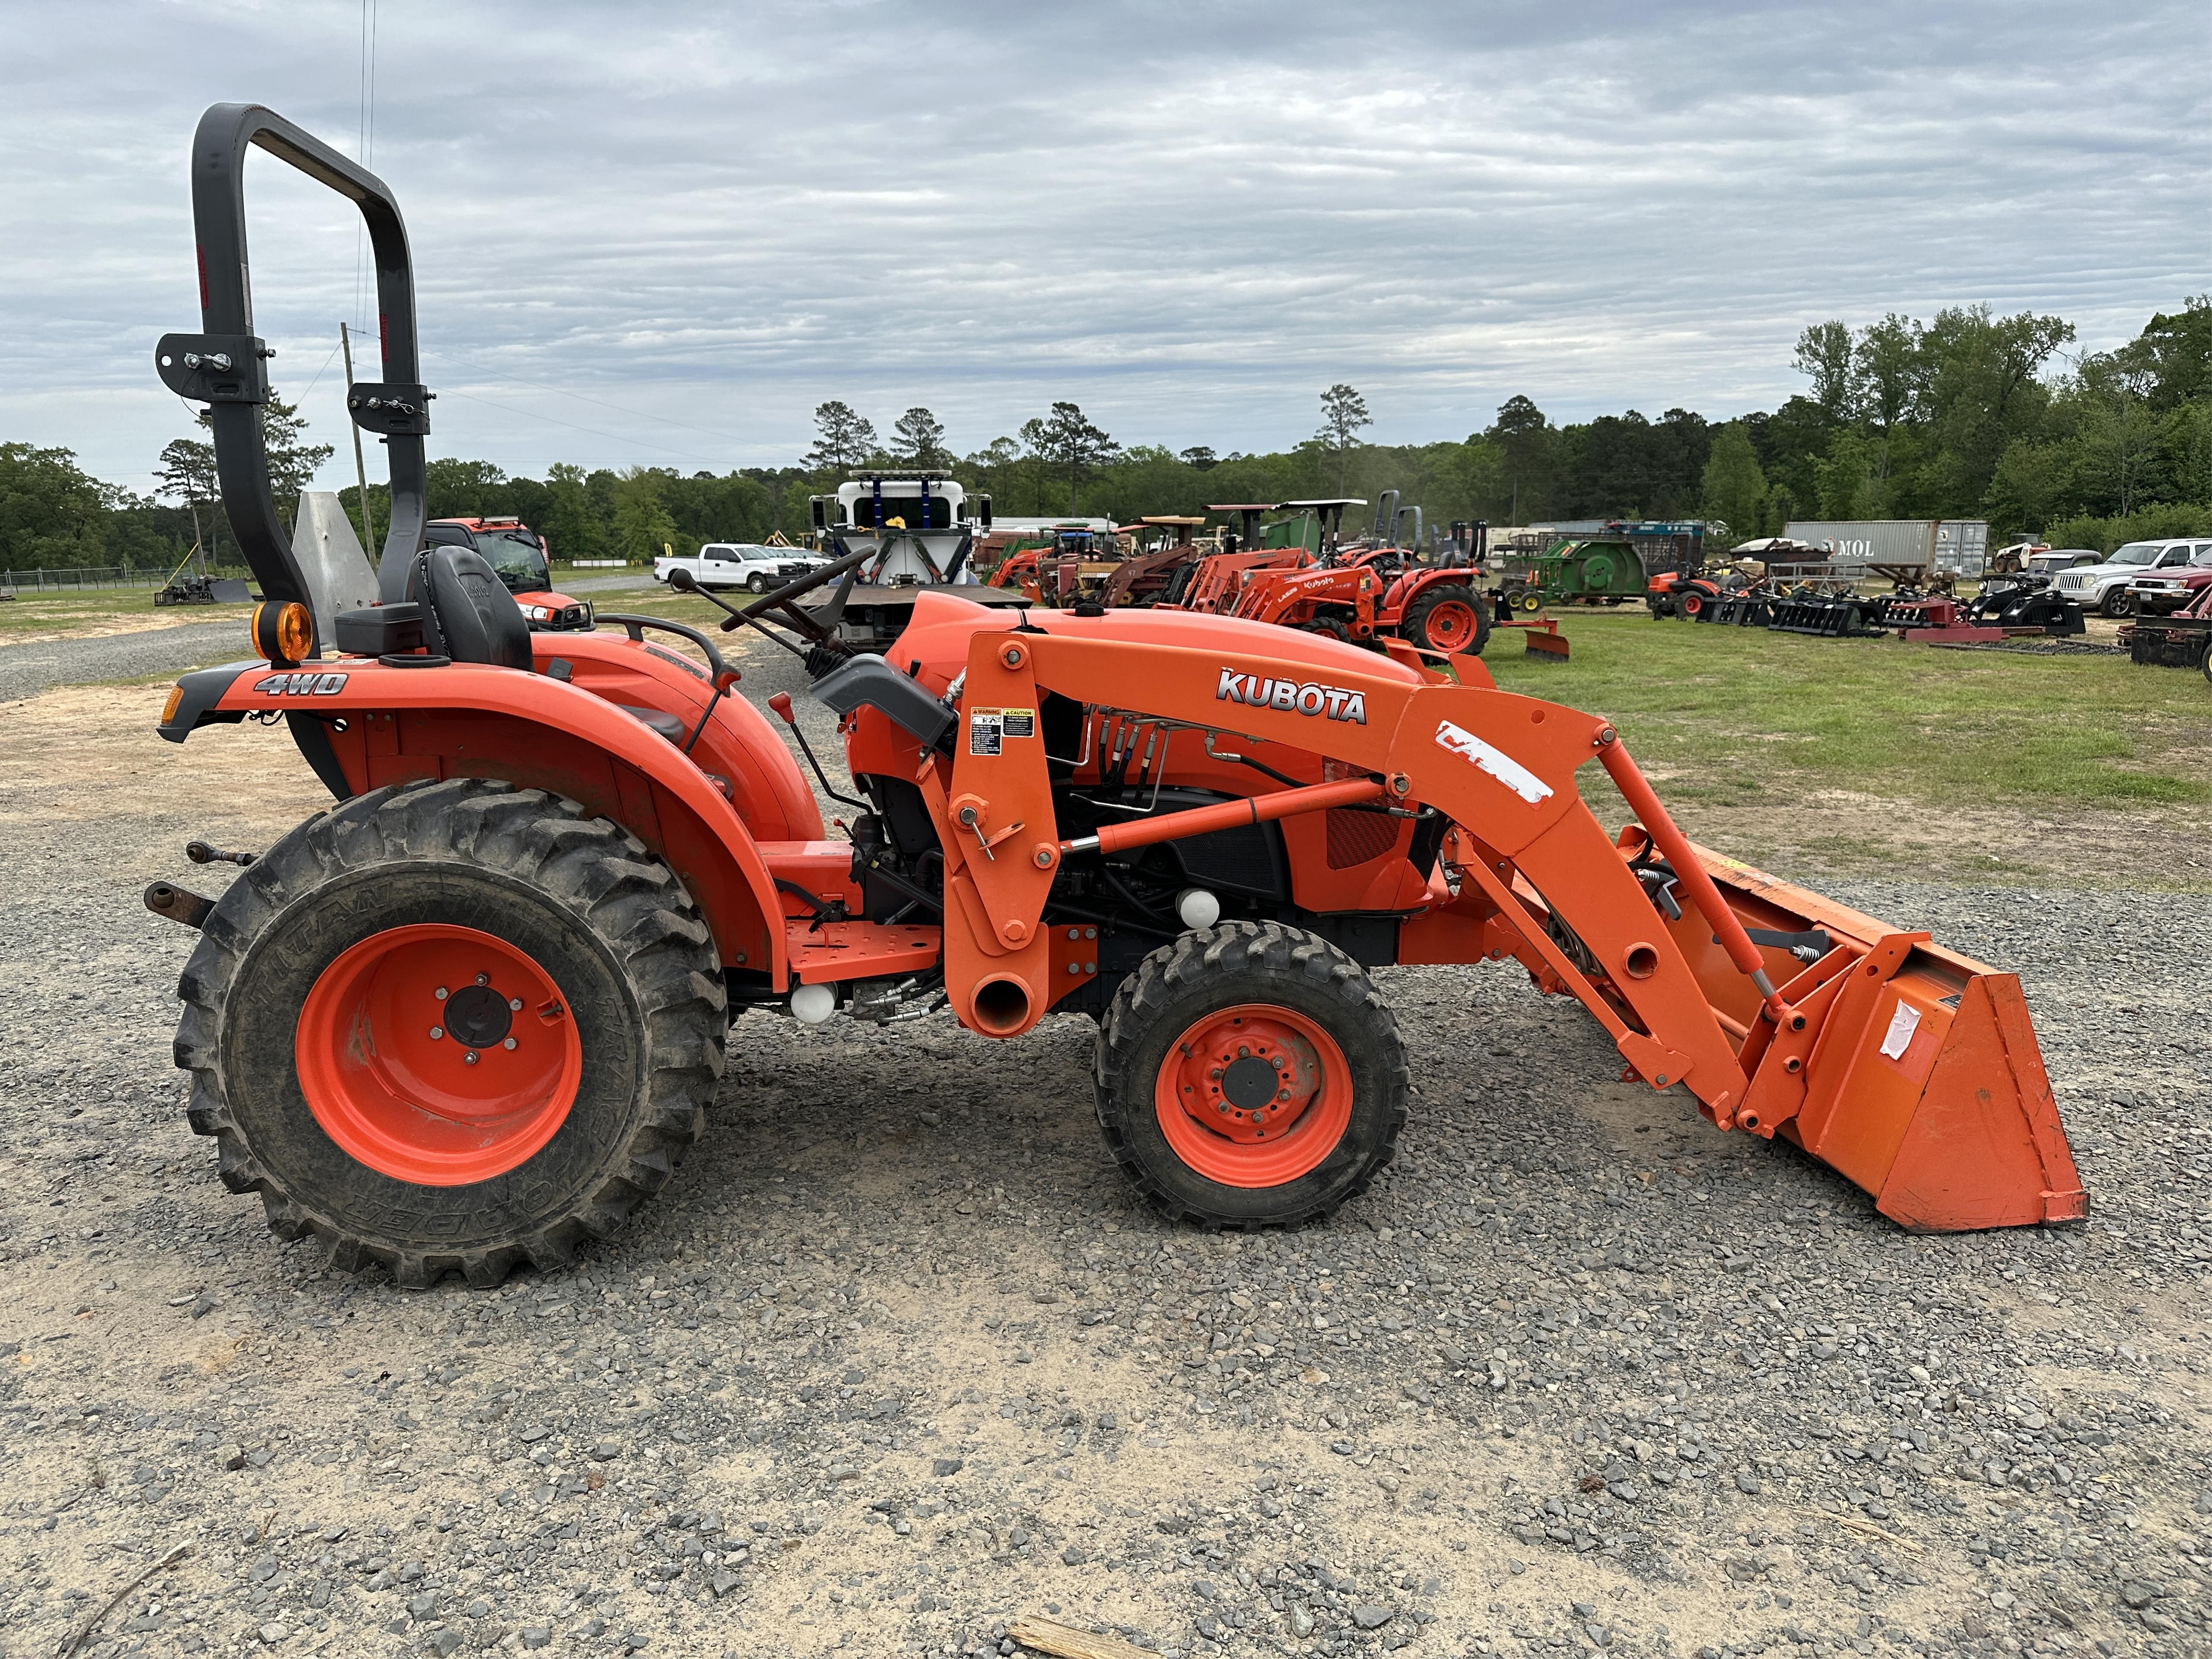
{"x": 402, "y": 725}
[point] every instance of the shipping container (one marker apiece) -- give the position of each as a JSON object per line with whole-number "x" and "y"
{"x": 1957, "y": 546}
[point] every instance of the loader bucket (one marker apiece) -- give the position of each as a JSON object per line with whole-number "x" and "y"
{"x": 1915, "y": 1073}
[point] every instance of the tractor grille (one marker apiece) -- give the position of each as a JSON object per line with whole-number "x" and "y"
{"x": 1357, "y": 838}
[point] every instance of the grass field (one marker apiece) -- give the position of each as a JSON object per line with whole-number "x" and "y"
{"x": 100, "y": 611}
{"x": 1737, "y": 713}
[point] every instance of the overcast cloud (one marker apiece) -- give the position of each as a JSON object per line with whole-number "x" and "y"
{"x": 1189, "y": 218}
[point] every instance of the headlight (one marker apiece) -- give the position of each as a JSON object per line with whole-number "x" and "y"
{"x": 539, "y": 612}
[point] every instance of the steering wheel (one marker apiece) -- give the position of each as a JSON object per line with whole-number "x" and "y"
{"x": 782, "y": 597}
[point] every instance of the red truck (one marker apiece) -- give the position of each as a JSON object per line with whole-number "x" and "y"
{"x": 518, "y": 554}
{"x": 2172, "y": 588}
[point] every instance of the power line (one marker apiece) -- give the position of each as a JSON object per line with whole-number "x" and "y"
{"x": 563, "y": 392}
{"x": 612, "y": 437}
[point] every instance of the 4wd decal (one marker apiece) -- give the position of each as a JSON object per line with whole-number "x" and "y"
{"x": 307, "y": 683}
{"x": 1291, "y": 697}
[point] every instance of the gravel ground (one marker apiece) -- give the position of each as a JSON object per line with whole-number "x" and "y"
{"x": 28, "y": 670}
{"x": 898, "y": 1358}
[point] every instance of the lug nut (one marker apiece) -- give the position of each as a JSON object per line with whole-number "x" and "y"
{"x": 436, "y": 1032}
{"x": 484, "y": 979}
{"x": 439, "y": 993}
{"x": 509, "y": 1043}
{"x": 469, "y": 1058}
{"x": 514, "y": 1004}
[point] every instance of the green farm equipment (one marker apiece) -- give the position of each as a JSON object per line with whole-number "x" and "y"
{"x": 1603, "y": 567}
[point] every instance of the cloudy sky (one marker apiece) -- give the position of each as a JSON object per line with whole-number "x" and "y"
{"x": 662, "y": 234}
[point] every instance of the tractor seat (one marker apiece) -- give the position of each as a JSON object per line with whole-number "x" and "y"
{"x": 478, "y": 619}
{"x": 668, "y": 725}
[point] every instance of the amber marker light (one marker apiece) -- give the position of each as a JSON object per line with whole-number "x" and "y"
{"x": 285, "y": 634}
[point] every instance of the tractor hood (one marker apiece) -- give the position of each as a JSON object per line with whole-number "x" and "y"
{"x": 938, "y": 634}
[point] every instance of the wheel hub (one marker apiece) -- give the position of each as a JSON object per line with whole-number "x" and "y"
{"x": 478, "y": 1016}
{"x": 1249, "y": 1084}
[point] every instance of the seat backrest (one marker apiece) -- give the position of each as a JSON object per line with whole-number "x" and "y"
{"x": 477, "y": 618}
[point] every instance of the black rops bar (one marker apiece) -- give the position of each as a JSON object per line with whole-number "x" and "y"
{"x": 225, "y": 367}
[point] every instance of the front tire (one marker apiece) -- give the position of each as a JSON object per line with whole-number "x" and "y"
{"x": 1250, "y": 1075}
{"x": 1449, "y": 618}
{"x": 457, "y": 1131}
{"x": 755, "y": 584}
{"x": 2116, "y": 602}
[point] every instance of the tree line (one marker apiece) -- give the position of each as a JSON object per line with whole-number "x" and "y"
{"x": 1969, "y": 414}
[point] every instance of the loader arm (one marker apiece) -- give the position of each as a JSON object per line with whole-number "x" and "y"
{"x": 1913, "y": 1071}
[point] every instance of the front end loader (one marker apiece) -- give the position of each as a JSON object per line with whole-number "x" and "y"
{"x": 472, "y": 1015}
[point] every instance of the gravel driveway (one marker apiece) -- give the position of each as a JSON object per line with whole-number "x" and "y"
{"x": 897, "y": 1359}
{"x": 28, "y": 670}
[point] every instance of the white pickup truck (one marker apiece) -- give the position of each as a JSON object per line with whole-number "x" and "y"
{"x": 741, "y": 564}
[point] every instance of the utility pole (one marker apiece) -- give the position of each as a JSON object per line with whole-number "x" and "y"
{"x": 360, "y": 471}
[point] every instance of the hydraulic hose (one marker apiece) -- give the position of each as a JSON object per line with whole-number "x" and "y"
{"x": 1689, "y": 869}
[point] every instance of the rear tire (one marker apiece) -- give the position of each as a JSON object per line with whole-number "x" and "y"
{"x": 1449, "y": 617}
{"x": 631, "y": 983}
{"x": 1283, "y": 994}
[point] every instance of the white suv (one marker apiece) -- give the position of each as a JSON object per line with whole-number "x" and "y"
{"x": 2105, "y": 585}
{"x": 741, "y": 564}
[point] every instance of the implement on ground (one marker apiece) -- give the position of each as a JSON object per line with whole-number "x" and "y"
{"x": 472, "y": 1015}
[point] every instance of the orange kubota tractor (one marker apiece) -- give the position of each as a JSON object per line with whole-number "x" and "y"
{"x": 472, "y": 1015}
{"x": 1369, "y": 592}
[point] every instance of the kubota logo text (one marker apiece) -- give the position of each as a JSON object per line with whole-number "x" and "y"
{"x": 1291, "y": 697}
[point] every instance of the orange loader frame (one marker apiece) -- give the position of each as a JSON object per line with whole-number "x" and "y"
{"x": 1912, "y": 1070}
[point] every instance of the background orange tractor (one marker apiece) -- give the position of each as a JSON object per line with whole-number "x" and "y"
{"x": 472, "y": 1015}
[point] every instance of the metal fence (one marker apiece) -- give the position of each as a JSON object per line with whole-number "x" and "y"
{"x": 55, "y": 582}
{"x": 90, "y": 576}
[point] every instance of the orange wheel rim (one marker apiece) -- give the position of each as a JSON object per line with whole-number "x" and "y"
{"x": 1450, "y": 625}
{"x": 438, "y": 1055}
{"x": 1253, "y": 1095}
